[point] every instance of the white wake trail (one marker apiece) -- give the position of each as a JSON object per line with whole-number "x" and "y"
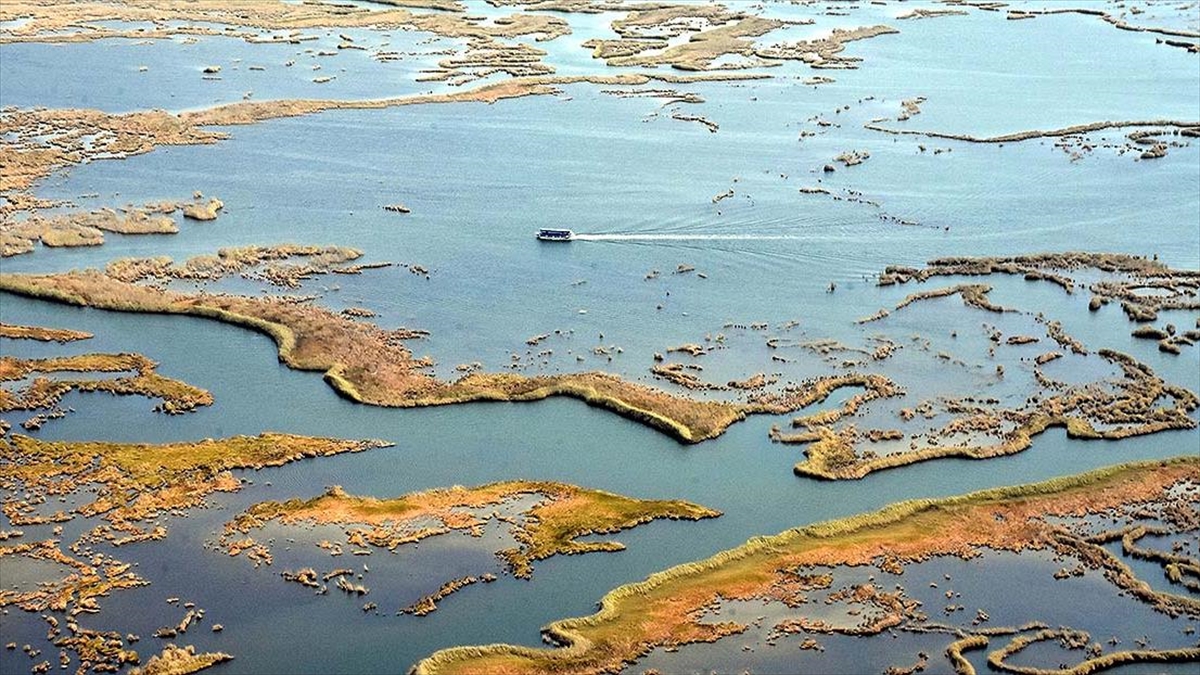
{"x": 685, "y": 237}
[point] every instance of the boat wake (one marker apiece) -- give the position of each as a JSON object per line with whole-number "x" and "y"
{"x": 685, "y": 237}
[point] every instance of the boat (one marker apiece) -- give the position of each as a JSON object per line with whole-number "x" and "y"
{"x": 547, "y": 234}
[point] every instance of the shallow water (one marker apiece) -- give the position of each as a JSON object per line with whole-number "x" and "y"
{"x": 123, "y": 75}
{"x": 1011, "y": 589}
{"x": 639, "y": 186}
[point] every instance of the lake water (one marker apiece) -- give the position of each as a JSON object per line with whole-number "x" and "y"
{"x": 480, "y": 179}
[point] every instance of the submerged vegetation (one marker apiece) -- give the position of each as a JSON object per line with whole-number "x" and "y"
{"x": 550, "y": 526}
{"x": 283, "y": 265}
{"x": 1132, "y": 406}
{"x": 84, "y": 580}
{"x": 666, "y": 609}
{"x": 133, "y": 486}
{"x": 137, "y": 482}
{"x": 975, "y": 383}
{"x": 1142, "y": 286}
{"x": 980, "y": 426}
{"x": 371, "y": 365}
{"x": 46, "y": 393}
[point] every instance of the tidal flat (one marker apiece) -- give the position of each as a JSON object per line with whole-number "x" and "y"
{"x": 850, "y": 272}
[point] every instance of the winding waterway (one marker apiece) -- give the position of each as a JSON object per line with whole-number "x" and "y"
{"x": 639, "y": 187}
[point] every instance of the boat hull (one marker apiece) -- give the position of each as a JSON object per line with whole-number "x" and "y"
{"x": 555, "y": 235}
